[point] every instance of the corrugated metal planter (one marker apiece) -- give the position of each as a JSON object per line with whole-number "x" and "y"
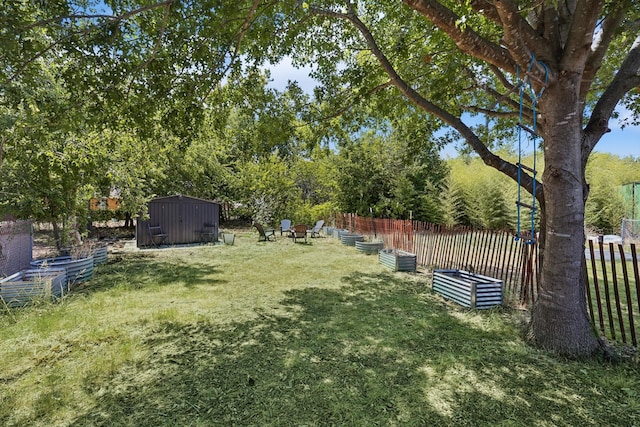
{"x": 468, "y": 289}
{"x": 397, "y": 260}
{"x": 338, "y": 232}
{"x": 369, "y": 247}
{"x": 26, "y": 286}
{"x": 99, "y": 255}
{"x": 351, "y": 239}
{"x": 328, "y": 231}
{"x": 78, "y": 270}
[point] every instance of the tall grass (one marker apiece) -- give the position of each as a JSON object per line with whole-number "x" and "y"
{"x": 279, "y": 333}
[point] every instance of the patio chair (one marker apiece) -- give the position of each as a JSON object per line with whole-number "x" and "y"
{"x": 298, "y": 232}
{"x": 285, "y": 226}
{"x": 208, "y": 233}
{"x": 315, "y": 231}
{"x": 156, "y": 235}
{"x": 265, "y": 235}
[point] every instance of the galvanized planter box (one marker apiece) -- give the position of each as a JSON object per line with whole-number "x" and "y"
{"x": 78, "y": 270}
{"x": 397, "y": 260}
{"x": 468, "y": 289}
{"x": 338, "y": 232}
{"x": 351, "y": 239}
{"x": 228, "y": 238}
{"x": 26, "y": 286}
{"x": 369, "y": 247}
{"x": 99, "y": 255}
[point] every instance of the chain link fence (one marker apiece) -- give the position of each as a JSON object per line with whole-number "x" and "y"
{"x": 16, "y": 246}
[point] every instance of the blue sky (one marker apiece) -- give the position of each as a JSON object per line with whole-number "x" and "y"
{"x": 621, "y": 142}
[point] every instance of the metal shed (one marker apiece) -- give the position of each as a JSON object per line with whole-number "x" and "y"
{"x": 183, "y": 219}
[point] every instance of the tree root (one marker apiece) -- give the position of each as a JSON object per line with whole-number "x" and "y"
{"x": 611, "y": 353}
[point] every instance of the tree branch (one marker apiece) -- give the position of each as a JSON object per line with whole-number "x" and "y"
{"x": 472, "y": 139}
{"x": 502, "y": 98}
{"x": 582, "y": 27}
{"x": 487, "y": 9}
{"x": 599, "y": 49}
{"x": 349, "y": 105}
{"x": 2, "y": 141}
{"x": 84, "y": 31}
{"x": 492, "y": 113}
{"x": 550, "y": 22}
{"x": 114, "y": 18}
{"x": 156, "y": 45}
{"x": 519, "y": 30}
{"x": 467, "y": 40}
{"x": 41, "y": 53}
{"x": 246, "y": 24}
{"x": 522, "y": 40}
{"x": 627, "y": 77}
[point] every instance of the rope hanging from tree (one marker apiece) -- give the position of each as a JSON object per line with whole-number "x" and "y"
{"x": 525, "y": 83}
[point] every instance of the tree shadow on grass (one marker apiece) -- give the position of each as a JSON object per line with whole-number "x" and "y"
{"x": 139, "y": 271}
{"x": 379, "y": 351}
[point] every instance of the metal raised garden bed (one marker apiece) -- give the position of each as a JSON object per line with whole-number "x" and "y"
{"x": 369, "y": 247}
{"x": 468, "y": 289}
{"x": 99, "y": 255}
{"x": 78, "y": 270}
{"x": 338, "y": 232}
{"x": 351, "y": 239}
{"x": 397, "y": 260}
{"x": 27, "y": 286}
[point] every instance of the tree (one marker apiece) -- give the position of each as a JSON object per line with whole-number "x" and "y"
{"x": 578, "y": 58}
{"x": 266, "y": 189}
{"x": 486, "y": 195}
{"x": 452, "y": 202}
{"x": 494, "y": 210}
{"x": 606, "y": 174}
{"x": 47, "y": 168}
{"x": 376, "y": 174}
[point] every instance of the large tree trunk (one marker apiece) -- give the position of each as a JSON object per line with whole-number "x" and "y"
{"x": 559, "y": 319}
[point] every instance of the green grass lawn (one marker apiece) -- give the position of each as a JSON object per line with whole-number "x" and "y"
{"x": 614, "y": 322}
{"x": 284, "y": 334}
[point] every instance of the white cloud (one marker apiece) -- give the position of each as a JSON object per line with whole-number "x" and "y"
{"x": 284, "y": 71}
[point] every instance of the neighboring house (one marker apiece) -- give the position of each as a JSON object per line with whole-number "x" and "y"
{"x": 183, "y": 219}
{"x": 104, "y": 203}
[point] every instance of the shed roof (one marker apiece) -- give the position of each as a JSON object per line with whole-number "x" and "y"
{"x": 181, "y": 197}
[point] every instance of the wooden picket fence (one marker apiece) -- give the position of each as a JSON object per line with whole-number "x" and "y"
{"x": 613, "y": 293}
{"x": 614, "y": 284}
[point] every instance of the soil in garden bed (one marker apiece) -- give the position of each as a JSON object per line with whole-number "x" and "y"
{"x": 111, "y": 233}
